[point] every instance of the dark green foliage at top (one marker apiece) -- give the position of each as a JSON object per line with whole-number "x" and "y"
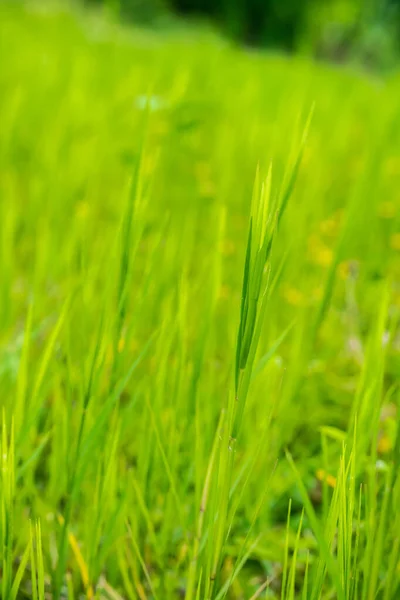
{"x": 366, "y": 31}
{"x": 254, "y": 21}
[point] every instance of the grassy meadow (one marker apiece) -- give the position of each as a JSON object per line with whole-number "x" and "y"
{"x": 199, "y": 318}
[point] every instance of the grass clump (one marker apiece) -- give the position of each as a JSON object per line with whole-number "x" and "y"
{"x": 184, "y": 413}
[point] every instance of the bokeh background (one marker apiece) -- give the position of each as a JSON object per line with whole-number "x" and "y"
{"x": 130, "y": 134}
{"x": 363, "y": 31}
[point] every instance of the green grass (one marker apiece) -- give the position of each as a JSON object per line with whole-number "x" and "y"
{"x": 199, "y": 318}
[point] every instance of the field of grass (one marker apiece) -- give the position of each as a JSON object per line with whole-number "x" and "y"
{"x": 199, "y": 318}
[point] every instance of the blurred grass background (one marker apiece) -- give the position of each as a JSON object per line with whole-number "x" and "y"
{"x": 94, "y": 113}
{"x": 361, "y": 31}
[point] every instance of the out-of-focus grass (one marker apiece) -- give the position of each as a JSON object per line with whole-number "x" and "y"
{"x": 127, "y": 164}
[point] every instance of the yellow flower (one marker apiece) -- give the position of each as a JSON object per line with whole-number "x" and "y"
{"x": 324, "y": 256}
{"x": 323, "y": 476}
{"x": 293, "y": 296}
{"x": 343, "y": 269}
{"x": 319, "y": 253}
{"x": 384, "y": 445}
{"x": 329, "y": 226}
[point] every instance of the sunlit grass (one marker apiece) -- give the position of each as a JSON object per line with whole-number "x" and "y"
{"x": 199, "y": 318}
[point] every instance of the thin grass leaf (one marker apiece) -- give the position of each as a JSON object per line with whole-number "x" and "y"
{"x": 142, "y": 562}
{"x": 318, "y": 532}
{"x": 286, "y": 554}
{"x": 20, "y": 573}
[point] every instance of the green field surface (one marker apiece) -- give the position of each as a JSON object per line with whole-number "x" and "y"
{"x": 199, "y": 317}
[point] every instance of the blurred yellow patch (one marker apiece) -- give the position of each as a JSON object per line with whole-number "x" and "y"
{"x": 384, "y": 445}
{"x": 80, "y": 561}
{"x": 82, "y": 210}
{"x": 326, "y": 477}
{"x": 348, "y": 268}
{"x": 228, "y": 569}
{"x": 395, "y": 241}
{"x": 293, "y": 296}
{"x": 387, "y": 210}
{"x": 324, "y": 257}
{"x": 392, "y": 165}
{"x": 204, "y": 178}
{"x": 343, "y": 269}
{"x": 121, "y": 345}
{"x": 109, "y": 355}
{"x": 329, "y": 227}
{"x": 224, "y": 292}
{"x": 182, "y": 554}
{"x": 396, "y": 299}
{"x": 140, "y": 590}
{"x": 228, "y": 247}
{"x": 320, "y": 254}
{"x": 387, "y": 434}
